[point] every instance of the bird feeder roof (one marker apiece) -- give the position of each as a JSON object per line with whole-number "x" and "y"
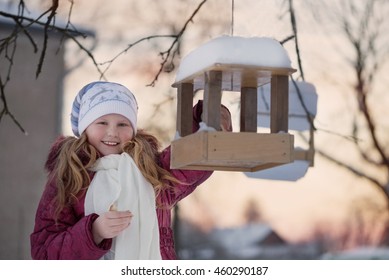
{"x": 258, "y": 56}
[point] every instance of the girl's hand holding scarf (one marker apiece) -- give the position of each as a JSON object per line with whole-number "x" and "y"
{"x": 110, "y": 224}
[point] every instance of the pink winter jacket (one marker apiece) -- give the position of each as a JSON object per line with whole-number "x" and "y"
{"x": 71, "y": 237}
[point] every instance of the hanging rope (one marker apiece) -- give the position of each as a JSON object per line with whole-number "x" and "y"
{"x": 232, "y": 16}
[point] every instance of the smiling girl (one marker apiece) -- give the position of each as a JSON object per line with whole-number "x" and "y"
{"x": 110, "y": 190}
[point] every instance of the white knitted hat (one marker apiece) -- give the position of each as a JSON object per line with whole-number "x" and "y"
{"x": 101, "y": 98}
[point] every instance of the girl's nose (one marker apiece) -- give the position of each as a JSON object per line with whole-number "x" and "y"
{"x": 112, "y": 131}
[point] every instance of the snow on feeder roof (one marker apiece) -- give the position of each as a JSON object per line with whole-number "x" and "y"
{"x": 246, "y": 61}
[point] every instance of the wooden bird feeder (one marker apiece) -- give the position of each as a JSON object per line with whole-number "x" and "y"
{"x": 233, "y": 64}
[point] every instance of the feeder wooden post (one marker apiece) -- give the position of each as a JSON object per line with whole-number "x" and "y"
{"x": 279, "y": 103}
{"x": 212, "y": 98}
{"x": 248, "y": 109}
{"x": 184, "y": 108}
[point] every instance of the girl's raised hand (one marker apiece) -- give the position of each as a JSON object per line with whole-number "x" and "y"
{"x": 110, "y": 224}
{"x": 225, "y": 119}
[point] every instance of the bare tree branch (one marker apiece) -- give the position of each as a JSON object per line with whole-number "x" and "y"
{"x": 363, "y": 41}
{"x": 363, "y": 26}
{"x": 167, "y": 55}
{"x": 294, "y": 28}
{"x": 23, "y": 23}
{"x": 358, "y": 173}
{"x": 112, "y": 60}
{"x": 52, "y": 10}
{"x": 175, "y": 44}
{"x": 5, "y": 111}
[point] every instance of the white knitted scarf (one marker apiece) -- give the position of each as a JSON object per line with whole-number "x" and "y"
{"x": 119, "y": 182}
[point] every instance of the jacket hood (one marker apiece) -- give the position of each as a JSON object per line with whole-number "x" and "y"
{"x": 54, "y": 153}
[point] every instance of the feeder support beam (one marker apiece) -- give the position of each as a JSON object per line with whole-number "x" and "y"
{"x": 279, "y": 103}
{"x": 248, "y": 109}
{"x": 184, "y": 109}
{"x": 212, "y": 99}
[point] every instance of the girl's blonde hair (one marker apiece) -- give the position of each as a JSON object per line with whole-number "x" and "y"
{"x": 76, "y": 155}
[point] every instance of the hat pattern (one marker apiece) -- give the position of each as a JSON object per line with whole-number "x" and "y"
{"x": 99, "y": 98}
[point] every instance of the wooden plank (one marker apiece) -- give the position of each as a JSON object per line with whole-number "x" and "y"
{"x": 188, "y": 150}
{"x": 184, "y": 109}
{"x": 238, "y": 167}
{"x": 249, "y": 147}
{"x": 279, "y": 106}
{"x": 212, "y": 99}
{"x": 307, "y": 155}
{"x": 244, "y": 151}
{"x": 248, "y": 109}
{"x": 301, "y": 155}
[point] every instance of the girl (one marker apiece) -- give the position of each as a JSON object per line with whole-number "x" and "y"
{"x": 105, "y": 184}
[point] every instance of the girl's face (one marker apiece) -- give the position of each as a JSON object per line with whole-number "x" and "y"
{"x": 108, "y": 133}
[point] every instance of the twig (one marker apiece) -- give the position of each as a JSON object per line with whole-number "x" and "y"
{"x": 167, "y": 55}
{"x": 356, "y": 172}
{"x": 294, "y": 28}
{"x": 175, "y": 42}
{"x": 53, "y": 11}
{"x": 5, "y": 110}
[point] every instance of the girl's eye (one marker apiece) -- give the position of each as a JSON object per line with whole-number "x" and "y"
{"x": 102, "y": 123}
{"x": 123, "y": 124}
